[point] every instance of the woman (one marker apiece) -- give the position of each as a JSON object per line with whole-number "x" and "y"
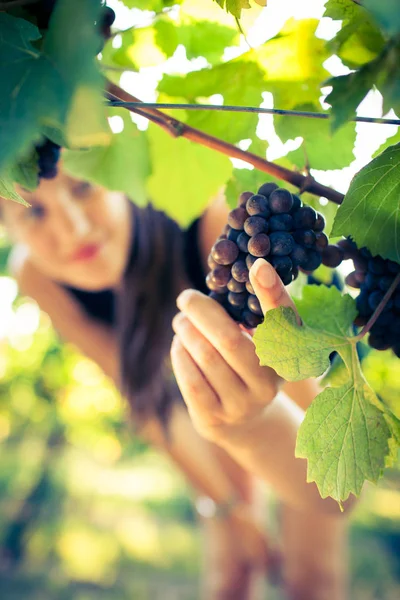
{"x": 108, "y": 274}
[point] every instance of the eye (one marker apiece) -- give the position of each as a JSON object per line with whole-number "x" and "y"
{"x": 82, "y": 189}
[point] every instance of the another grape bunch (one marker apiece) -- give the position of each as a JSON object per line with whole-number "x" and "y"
{"x": 49, "y": 154}
{"x": 374, "y": 275}
{"x": 271, "y": 224}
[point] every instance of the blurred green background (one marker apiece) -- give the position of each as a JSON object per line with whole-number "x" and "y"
{"x": 87, "y": 511}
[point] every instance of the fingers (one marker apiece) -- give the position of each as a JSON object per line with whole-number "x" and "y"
{"x": 269, "y": 288}
{"x": 211, "y": 320}
{"x": 196, "y": 391}
{"x": 223, "y": 380}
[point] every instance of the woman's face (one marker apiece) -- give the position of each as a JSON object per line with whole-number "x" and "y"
{"x": 76, "y": 233}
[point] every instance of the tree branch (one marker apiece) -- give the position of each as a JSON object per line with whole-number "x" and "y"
{"x": 177, "y": 128}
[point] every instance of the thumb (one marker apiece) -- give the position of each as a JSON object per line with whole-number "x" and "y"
{"x": 269, "y": 288}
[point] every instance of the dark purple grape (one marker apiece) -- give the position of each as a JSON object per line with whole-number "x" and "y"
{"x": 250, "y": 288}
{"x": 305, "y": 237}
{"x": 283, "y": 222}
{"x": 257, "y": 205}
{"x": 319, "y": 222}
{"x": 282, "y": 243}
{"x": 371, "y": 281}
{"x": 297, "y": 203}
{"x": 235, "y": 286}
{"x": 254, "y": 225}
{"x": 242, "y": 241}
{"x": 244, "y": 196}
{"x": 349, "y": 248}
{"x": 396, "y": 350}
{"x": 221, "y": 275}
{"x": 352, "y": 281}
{"x": 240, "y": 271}
{"x": 321, "y": 240}
{"x": 48, "y": 156}
{"x": 377, "y": 265}
{"x": 286, "y": 278}
{"x": 280, "y": 201}
{"x": 225, "y": 252}
{"x": 332, "y": 256}
{"x": 250, "y": 260}
{"x": 365, "y": 253}
{"x": 385, "y": 282}
{"x": 375, "y": 298}
{"x": 282, "y": 265}
{"x": 254, "y": 305}
{"x": 237, "y": 300}
{"x": 396, "y": 301}
{"x": 214, "y": 287}
{"x": 234, "y": 312}
{"x": 211, "y": 262}
{"x": 233, "y": 234}
{"x": 250, "y": 319}
{"x": 378, "y": 342}
{"x": 313, "y": 261}
{"x": 305, "y": 218}
{"x": 237, "y": 217}
{"x": 108, "y": 16}
{"x": 362, "y": 304}
{"x": 393, "y": 267}
{"x": 220, "y": 298}
{"x": 259, "y": 245}
{"x": 298, "y": 256}
{"x": 267, "y": 188}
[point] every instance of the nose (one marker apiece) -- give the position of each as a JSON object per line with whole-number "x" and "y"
{"x": 72, "y": 223}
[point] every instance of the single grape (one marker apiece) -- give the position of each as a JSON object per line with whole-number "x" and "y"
{"x": 214, "y": 287}
{"x": 237, "y": 300}
{"x": 378, "y": 342}
{"x": 242, "y": 241}
{"x": 280, "y": 201}
{"x": 349, "y": 248}
{"x": 375, "y": 299}
{"x": 237, "y": 217}
{"x": 297, "y": 203}
{"x": 250, "y": 260}
{"x": 377, "y": 265}
{"x": 362, "y": 304}
{"x": 332, "y": 256}
{"x": 234, "y": 312}
{"x": 259, "y": 245}
{"x": 240, "y": 271}
{"x": 298, "y": 256}
{"x": 225, "y": 252}
{"x": 250, "y": 288}
{"x": 254, "y": 305}
{"x": 283, "y": 222}
{"x": 221, "y": 275}
{"x": 305, "y": 237}
{"x": 282, "y": 265}
{"x": 321, "y": 240}
{"x": 108, "y": 16}
{"x": 244, "y": 196}
{"x": 393, "y": 267}
{"x": 233, "y": 234}
{"x": 286, "y": 278}
{"x": 319, "y": 223}
{"x": 267, "y": 188}
{"x": 220, "y": 298}
{"x": 282, "y": 243}
{"x": 235, "y": 286}
{"x": 211, "y": 262}
{"x": 352, "y": 281}
{"x": 250, "y": 319}
{"x": 305, "y": 218}
{"x": 313, "y": 261}
{"x": 254, "y": 225}
{"x": 371, "y": 281}
{"x": 257, "y": 205}
{"x": 385, "y": 282}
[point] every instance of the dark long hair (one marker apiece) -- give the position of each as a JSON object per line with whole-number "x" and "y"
{"x": 153, "y": 278}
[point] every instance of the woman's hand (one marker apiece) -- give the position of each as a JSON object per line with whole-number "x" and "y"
{"x": 215, "y": 364}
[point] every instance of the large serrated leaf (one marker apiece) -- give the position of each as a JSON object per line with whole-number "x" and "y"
{"x": 326, "y": 309}
{"x": 370, "y": 212}
{"x": 345, "y": 439}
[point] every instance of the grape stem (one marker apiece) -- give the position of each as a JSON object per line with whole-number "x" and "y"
{"x": 177, "y": 128}
{"x": 379, "y": 309}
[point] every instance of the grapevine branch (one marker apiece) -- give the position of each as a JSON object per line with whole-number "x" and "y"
{"x": 249, "y": 109}
{"x": 379, "y": 308}
{"x": 15, "y": 4}
{"x": 177, "y": 128}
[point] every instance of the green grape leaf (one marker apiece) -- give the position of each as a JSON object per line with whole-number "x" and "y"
{"x": 170, "y": 185}
{"x": 370, "y": 212}
{"x": 335, "y": 314}
{"x": 26, "y": 171}
{"x": 123, "y": 165}
{"x": 386, "y": 13}
{"x": 7, "y": 188}
{"x": 357, "y": 42}
{"x": 345, "y": 439}
{"x": 341, "y": 9}
{"x": 240, "y": 81}
{"x": 322, "y": 148}
{"x": 235, "y": 7}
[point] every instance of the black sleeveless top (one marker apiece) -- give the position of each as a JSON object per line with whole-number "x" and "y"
{"x": 102, "y": 305}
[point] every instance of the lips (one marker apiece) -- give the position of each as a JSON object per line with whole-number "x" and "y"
{"x": 87, "y": 252}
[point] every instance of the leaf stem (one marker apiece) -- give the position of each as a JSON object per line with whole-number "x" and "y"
{"x": 178, "y": 128}
{"x": 379, "y": 309}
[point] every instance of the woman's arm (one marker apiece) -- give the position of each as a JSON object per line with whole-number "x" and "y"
{"x": 232, "y": 400}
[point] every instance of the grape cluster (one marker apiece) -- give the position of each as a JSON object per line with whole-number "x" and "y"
{"x": 374, "y": 275}
{"x": 49, "y": 154}
{"x": 271, "y": 224}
